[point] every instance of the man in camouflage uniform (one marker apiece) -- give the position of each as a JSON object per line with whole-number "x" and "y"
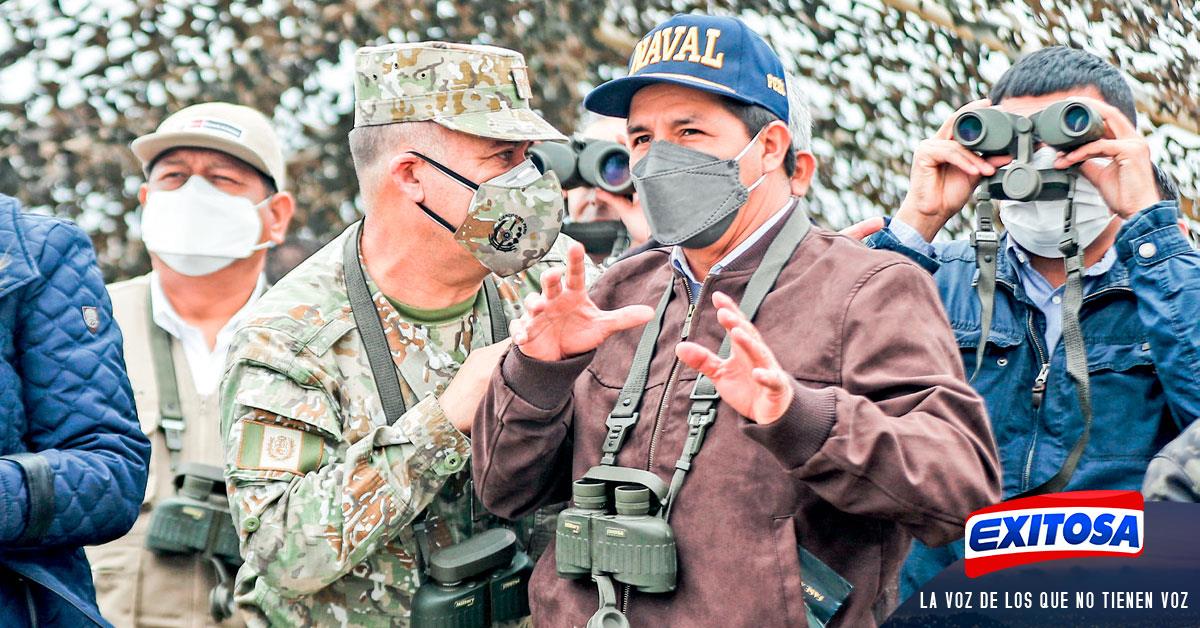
{"x": 325, "y": 493}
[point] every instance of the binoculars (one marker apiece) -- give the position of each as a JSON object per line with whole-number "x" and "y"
{"x": 1064, "y": 125}
{"x": 196, "y": 519}
{"x": 585, "y": 162}
{"x": 613, "y": 528}
{"x": 477, "y": 583}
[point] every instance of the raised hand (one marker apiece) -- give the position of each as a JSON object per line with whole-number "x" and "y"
{"x": 944, "y": 174}
{"x": 463, "y": 394}
{"x": 750, "y": 380}
{"x": 562, "y": 321}
{"x": 1118, "y": 164}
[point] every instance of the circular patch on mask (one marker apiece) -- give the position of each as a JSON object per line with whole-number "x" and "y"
{"x": 507, "y": 233}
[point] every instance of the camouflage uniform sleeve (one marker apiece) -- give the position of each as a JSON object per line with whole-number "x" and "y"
{"x": 1174, "y": 473}
{"x": 308, "y": 504}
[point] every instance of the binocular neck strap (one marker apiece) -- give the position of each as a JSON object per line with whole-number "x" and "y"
{"x": 625, "y": 415}
{"x": 987, "y": 250}
{"x": 704, "y": 396}
{"x": 1072, "y": 337}
{"x": 170, "y": 410}
{"x": 370, "y": 327}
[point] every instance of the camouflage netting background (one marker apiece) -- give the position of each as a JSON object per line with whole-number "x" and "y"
{"x": 80, "y": 79}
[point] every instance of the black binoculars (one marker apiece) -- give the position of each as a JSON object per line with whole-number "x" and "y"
{"x": 196, "y": 519}
{"x": 614, "y": 529}
{"x": 585, "y": 162}
{"x": 477, "y": 583}
{"x": 1064, "y": 125}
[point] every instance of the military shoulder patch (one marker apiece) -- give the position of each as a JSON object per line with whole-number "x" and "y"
{"x": 269, "y": 447}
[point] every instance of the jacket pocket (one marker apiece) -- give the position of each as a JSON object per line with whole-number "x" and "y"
{"x": 787, "y": 558}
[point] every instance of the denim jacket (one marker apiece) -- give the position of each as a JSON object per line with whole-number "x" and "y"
{"x": 1141, "y": 325}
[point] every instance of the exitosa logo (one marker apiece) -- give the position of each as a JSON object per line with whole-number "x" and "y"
{"x": 1050, "y": 527}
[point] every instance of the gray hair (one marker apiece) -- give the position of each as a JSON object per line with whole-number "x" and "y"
{"x": 370, "y": 144}
{"x": 799, "y": 117}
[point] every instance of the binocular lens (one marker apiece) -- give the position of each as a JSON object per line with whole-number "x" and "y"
{"x": 1077, "y": 118}
{"x": 614, "y": 170}
{"x": 970, "y": 128}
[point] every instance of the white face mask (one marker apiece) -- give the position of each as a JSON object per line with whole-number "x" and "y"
{"x": 1038, "y": 225}
{"x": 197, "y": 229}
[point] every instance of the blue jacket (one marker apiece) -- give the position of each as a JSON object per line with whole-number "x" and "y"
{"x": 1141, "y": 325}
{"x": 73, "y": 460}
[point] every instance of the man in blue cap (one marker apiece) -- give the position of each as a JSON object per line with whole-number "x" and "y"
{"x": 832, "y": 425}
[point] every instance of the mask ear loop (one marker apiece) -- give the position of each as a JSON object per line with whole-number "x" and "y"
{"x": 458, "y": 178}
{"x": 743, "y": 152}
{"x": 269, "y": 244}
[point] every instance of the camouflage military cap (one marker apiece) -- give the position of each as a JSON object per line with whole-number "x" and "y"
{"x": 480, "y": 90}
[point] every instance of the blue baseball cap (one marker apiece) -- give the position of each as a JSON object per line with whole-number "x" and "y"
{"x": 719, "y": 55}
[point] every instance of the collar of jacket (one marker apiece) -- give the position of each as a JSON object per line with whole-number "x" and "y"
{"x": 750, "y": 258}
{"x": 17, "y": 267}
{"x": 1117, "y": 277}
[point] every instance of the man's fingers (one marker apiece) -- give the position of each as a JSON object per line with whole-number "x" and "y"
{"x": 517, "y": 331}
{"x": 863, "y": 229}
{"x": 552, "y": 283}
{"x": 576, "y": 278}
{"x": 954, "y": 154}
{"x": 1091, "y": 150}
{"x": 774, "y": 380}
{"x": 534, "y": 303}
{"x": 624, "y": 318}
{"x": 696, "y": 357}
{"x": 754, "y": 349}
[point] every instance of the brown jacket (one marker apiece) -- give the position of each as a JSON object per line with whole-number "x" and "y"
{"x": 884, "y": 440}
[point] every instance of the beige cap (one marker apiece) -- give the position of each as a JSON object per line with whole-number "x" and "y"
{"x": 233, "y": 129}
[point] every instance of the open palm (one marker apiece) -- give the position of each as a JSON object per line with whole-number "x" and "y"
{"x": 750, "y": 380}
{"x": 562, "y": 321}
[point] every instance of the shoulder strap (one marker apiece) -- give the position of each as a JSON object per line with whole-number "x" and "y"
{"x": 1072, "y": 336}
{"x": 496, "y": 314}
{"x": 170, "y": 410}
{"x": 703, "y": 411}
{"x": 625, "y": 414}
{"x": 370, "y": 328}
{"x": 987, "y": 248}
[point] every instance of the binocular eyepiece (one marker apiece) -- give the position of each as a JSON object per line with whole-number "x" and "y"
{"x": 629, "y": 542}
{"x": 585, "y": 162}
{"x": 1064, "y": 125}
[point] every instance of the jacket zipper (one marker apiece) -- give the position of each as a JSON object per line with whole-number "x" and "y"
{"x": 1039, "y": 384}
{"x": 662, "y": 404}
{"x": 683, "y": 334}
{"x": 1038, "y": 392}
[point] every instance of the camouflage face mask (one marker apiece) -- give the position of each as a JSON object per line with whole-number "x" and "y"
{"x": 513, "y": 219}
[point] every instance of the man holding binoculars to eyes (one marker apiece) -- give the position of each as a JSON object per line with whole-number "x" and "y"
{"x": 1086, "y": 307}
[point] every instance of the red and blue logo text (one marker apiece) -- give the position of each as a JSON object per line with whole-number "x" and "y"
{"x": 1050, "y": 527}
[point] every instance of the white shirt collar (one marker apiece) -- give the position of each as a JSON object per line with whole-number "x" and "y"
{"x": 679, "y": 260}
{"x": 206, "y": 366}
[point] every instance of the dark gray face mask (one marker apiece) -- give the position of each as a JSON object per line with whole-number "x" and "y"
{"x": 690, "y": 198}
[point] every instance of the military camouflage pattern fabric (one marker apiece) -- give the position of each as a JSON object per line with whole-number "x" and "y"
{"x": 480, "y": 90}
{"x": 1174, "y": 473}
{"x": 323, "y": 492}
{"x": 508, "y": 229}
